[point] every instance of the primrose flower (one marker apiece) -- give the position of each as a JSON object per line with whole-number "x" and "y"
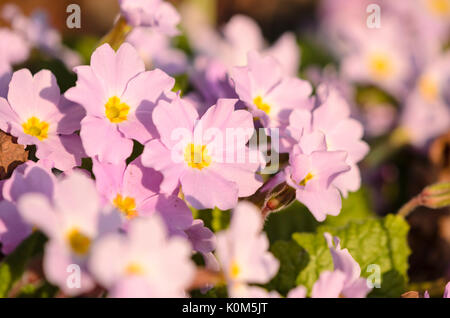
{"x": 201, "y": 237}
{"x": 381, "y": 59}
{"x": 156, "y": 51}
{"x": 134, "y": 191}
{"x": 240, "y": 35}
{"x": 354, "y": 286}
{"x": 210, "y": 78}
{"x": 150, "y": 264}
{"x": 426, "y": 114}
{"x": 36, "y": 32}
{"x": 13, "y": 48}
{"x": 208, "y": 157}
{"x": 342, "y": 133}
{"x": 329, "y": 285}
{"x": 157, "y": 14}
{"x": 119, "y": 98}
{"x": 27, "y": 178}
{"x": 242, "y": 251}
{"x": 13, "y": 230}
{"x": 72, "y": 220}
{"x": 267, "y": 93}
{"x": 5, "y": 78}
{"x": 312, "y": 172}
{"x": 36, "y": 114}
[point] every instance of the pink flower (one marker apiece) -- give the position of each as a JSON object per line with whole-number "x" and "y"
{"x": 240, "y": 35}
{"x": 354, "y": 286}
{"x": 426, "y": 113}
{"x": 72, "y": 220}
{"x": 134, "y": 191}
{"x": 202, "y": 238}
{"x": 13, "y": 230}
{"x": 202, "y": 155}
{"x": 210, "y": 78}
{"x": 342, "y": 133}
{"x": 36, "y": 114}
{"x": 27, "y": 178}
{"x": 156, "y": 51}
{"x": 329, "y": 285}
{"x": 242, "y": 251}
{"x": 150, "y": 263}
{"x": 157, "y": 14}
{"x": 312, "y": 171}
{"x": 386, "y": 64}
{"x": 13, "y": 48}
{"x": 119, "y": 98}
{"x": 268, "y": 94}
{"x": 36, "y": 32}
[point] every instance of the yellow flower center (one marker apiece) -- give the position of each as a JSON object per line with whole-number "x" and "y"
{"x": 428, "y": 88}
{"x": 36, "y": 128}
{"x": 134, "y": 269}
{"x": 380, "y": 66}
{"x": 126, "y": 205}
{"x": 116, "y": 111}
{"x": 79, "y": 242}
{"x": 258, "y": 101}
{"x": 196, "y": 156}
{"x": 308, "y": 177}
{"x": 235, "y": 270}
{"x": 439, "y": 7}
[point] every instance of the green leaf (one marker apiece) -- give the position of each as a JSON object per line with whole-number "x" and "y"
{"x": 318, "y": 255}
{"x": 293, "y": 259}
{"x": 13, "y": 266}
{"x": 374, "y": 241}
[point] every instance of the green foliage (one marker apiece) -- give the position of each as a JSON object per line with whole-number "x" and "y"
{"x": 13, "y": 266}
{"x": 374, "y": 241}
{"x": 293, "y": 259}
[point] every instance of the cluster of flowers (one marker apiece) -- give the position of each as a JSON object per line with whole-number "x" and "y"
{"x": 141, "y": 210}
{"x": 401, "y": 52}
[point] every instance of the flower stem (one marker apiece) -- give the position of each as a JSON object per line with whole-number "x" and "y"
{"x": 118, "y": 34}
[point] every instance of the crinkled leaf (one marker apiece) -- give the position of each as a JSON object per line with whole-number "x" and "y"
{"x": 382, "y": 242}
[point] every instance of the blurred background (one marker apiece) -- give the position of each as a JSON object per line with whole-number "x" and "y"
{"x": 394, "y": 171}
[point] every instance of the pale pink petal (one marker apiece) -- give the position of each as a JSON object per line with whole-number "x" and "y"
{"x": 102, "y": 139}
